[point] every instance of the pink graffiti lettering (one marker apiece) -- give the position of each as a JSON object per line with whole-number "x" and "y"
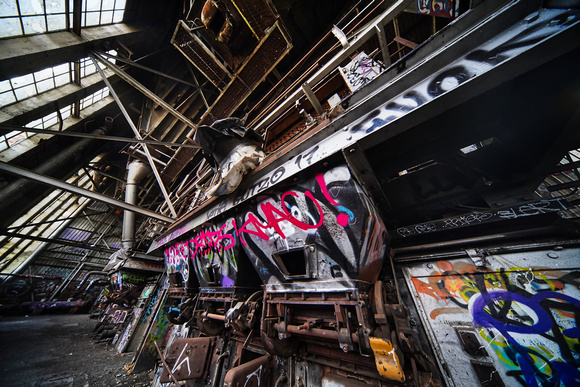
{"x": 295, "y": 221}
{"x": 207, "y": 241}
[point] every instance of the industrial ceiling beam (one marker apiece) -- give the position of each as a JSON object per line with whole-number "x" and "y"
{"x": 54, "y": 220}
{"x": 14, "y": 170}
{"x": 5, "y": 128}
{"x": 139, "y": 66}
{"x": 148, "y": 93}
{"x": 56, "y": 241}
{"x": 137, "y": 134}
{"x": 27, "y": 54}
{"x": 77, "y": 16}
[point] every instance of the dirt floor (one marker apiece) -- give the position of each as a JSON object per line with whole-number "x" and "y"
{"x": 57, "y": 350}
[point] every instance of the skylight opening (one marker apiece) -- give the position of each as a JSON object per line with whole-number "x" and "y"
{"x": 95, "y": 97}
{"x": 102, "y": 12}
{"x": 18, "y": 18}
{"x": 26, "y": 86}
{"x": 8, "y": 140}
{"x": 29, "y": 85}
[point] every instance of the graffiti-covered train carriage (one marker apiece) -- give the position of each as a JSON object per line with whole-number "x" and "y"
{"x": 295, "y": 274}
{"x": 425, "y": 236}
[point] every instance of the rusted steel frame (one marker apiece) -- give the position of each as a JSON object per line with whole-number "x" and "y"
{"x": 355, "y": 366}
{"x": 135, "y": 131}
{"x": 300, "y": 79}
{"x": 270, "y": 116}
{"x": 313, "y": 302}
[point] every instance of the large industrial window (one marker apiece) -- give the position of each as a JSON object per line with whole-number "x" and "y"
{"x": 19, "y": 88}
{"x": 12, "y": 138}
{"x": 26, "y": 86}
{"x": 27, "y": 17}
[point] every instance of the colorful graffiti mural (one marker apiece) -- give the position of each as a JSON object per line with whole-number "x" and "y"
{"x": 327, "y": 211}
{"x": 527, "y": 316}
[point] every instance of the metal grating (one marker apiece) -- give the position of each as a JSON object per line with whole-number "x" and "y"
{"x": 270, "y": 51}
{"x": 264, "y": 58}
{"x": 200, "y": 56}
{"x": 257, "y": 14}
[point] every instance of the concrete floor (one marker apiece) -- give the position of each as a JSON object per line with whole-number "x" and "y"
{"x": 57, "y": 350}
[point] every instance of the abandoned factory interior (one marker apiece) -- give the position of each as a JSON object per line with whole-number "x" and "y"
{"x": 290, "y": 193}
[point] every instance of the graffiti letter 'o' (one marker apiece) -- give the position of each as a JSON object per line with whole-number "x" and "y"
{"x": 277, "y": 175}
{"x": 435, "y": 87}
{"x": 297, "y": 222}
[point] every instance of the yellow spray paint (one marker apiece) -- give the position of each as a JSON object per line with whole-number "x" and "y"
{"x": 386, "y": 359}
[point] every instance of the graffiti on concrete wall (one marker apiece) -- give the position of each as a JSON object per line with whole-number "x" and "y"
{"x": 327, "y": 220}
{"x": 480, "y": 217}
{"x": 527, "y": 316}
{"x": 159, "y": 331}
{"x": 485, "y": 58}
{"x": 124, "y": 281}
{"x": 28, "y": 288}
{"x": 360, "y": 71}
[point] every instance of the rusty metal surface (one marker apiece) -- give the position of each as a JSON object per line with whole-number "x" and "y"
{"x": 271, "y": 49}
{"x": 196, "y": 52}
{"x": 251, "y": 374}
{"x": 257, "y": 14}
{"x": 189, "y": 358}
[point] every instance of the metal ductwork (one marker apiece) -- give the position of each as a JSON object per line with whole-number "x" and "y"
{"x": 136, "y": 172}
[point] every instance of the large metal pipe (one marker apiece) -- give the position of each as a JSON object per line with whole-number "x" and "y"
{"x": 136, "y": 171}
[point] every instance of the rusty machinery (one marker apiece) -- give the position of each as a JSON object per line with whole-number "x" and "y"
{"x": 296, "y": 270}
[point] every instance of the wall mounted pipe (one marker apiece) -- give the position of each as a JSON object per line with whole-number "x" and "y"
{"x": 90, "y": 274}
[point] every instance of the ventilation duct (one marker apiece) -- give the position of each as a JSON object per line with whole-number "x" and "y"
{"x": 136, "y": 172}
